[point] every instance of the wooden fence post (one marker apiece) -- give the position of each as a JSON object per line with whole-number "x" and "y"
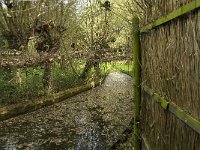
{"x": 47, "y": 78}
{"x": 136, "y": 80}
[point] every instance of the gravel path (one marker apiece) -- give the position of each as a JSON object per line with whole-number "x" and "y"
{"x": 92, "y": 120}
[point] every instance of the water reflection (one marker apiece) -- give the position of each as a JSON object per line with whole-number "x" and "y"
{"x": 91, "y": 140}
{"x": 11, "y": 147}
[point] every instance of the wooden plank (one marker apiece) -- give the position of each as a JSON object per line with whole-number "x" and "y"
{"x": 173, "y": 15}
{"x": 136, "y": 80}
{"x": 173, "y": 108}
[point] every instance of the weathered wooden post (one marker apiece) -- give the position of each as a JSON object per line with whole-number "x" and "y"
{"x": 136, "y": 84}
{"x": 47, "y": 78}
{"x": 18, "y": 79}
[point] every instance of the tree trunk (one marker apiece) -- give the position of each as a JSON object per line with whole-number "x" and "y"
{"x": 89, "y": 64}
{"x": 97, "y": 68}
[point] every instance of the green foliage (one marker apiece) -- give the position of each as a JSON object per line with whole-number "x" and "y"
{"x": 5, "y": 43}
{"x": 32, "y": 83}
{"x": 89, "y": 27}
{"x": 65, "y": 78}
{"x": 100, "y": 26}
{"x": 31, "y": 86}
{"x": 124, "y": 67}
{"x": 7, "y": 87}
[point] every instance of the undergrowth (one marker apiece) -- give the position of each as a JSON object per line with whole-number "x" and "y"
{"x": 32, "y": 80}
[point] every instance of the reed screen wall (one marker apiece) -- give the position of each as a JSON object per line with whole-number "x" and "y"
{"x": 170, "y": 64}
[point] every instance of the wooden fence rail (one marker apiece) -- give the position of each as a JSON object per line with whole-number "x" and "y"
{"x": 173, "y": 108}
{"x": 173, "y": 15}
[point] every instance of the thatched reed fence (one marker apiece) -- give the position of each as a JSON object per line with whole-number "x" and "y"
{"x": 170, "y": 77}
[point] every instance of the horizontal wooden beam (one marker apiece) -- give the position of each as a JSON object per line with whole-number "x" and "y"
{"x": 173, "y": 15}
{"x": 173, "y": 108}
{"x": 156, "y": 97}
{"x": 186, "y": 118}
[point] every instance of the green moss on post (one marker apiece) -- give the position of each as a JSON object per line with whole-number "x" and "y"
{"x": 136, "y": 84}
